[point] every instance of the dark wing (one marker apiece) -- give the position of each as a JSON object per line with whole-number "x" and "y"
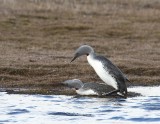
{"x": 98, "y": 87}
{"x": 115, "y": 72}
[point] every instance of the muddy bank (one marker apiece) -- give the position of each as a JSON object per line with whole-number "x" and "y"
{"x": 38, "y": 39}
{"x": 59, "y": 91}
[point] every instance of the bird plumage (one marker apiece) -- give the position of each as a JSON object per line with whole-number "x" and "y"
{"x": 104, "y": 68}
{"x": 115, "y": 72}
{"x": 87, "y": 88}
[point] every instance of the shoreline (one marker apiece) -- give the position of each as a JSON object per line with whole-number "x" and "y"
{"x": 38, "y": 40}
{"x": 58, "y": 90}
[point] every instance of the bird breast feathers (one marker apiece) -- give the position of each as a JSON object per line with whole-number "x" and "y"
{"x": 101, "y": 72}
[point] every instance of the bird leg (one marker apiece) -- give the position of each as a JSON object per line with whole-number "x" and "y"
{"x": 111, "y": 93}
{"x": 114, "y": 91}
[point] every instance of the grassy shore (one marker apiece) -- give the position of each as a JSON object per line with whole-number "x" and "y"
{"x": 38, "y": 39}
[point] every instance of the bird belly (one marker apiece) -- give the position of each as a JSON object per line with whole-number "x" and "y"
{"x": 102, "y": 73}
{"x": 86, "y": 92}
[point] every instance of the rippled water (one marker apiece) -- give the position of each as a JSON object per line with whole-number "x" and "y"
{"x": 47, "y": 109}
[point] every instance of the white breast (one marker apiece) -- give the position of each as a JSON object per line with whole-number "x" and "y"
{"x": 86, "y": 92}
{"x": 101, "y": 72}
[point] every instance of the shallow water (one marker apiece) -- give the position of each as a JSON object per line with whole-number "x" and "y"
{"x": 47, "y": 109}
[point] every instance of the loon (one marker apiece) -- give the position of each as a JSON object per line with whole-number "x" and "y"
{"x": 105, "y": 69}
{"x": 93, "y": 89}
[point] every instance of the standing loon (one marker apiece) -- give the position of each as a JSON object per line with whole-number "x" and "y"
{"x": 87, "y": 88}
{"x": 105, "y": 69}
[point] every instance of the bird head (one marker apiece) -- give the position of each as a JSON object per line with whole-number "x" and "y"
{"x": 82, "y": 50}
{"x": 74, "y": 83}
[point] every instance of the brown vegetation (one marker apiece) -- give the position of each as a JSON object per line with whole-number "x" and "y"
{"x": 38, "y": 39}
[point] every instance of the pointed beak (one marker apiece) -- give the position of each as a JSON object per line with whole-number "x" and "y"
{"x": 73, "y": 59}
{"x": 76, "y": 55}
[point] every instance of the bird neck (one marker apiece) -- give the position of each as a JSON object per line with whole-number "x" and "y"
{"x": 91, "y": 59}
{"x": 92, "y": 54}
{"x": 78, "y": 85}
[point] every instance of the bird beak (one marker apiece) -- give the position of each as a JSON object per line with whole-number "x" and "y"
{"x": 73, "y": 58}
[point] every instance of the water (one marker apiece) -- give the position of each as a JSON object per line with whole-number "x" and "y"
{"x": 57, "y": 109}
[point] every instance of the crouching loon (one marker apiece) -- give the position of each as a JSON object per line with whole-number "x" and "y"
{"x": 105, "y": 69}
{"x": 89, "y": 89}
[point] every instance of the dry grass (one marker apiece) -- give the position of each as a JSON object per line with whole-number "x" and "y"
{"x": 38, "y": 39}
